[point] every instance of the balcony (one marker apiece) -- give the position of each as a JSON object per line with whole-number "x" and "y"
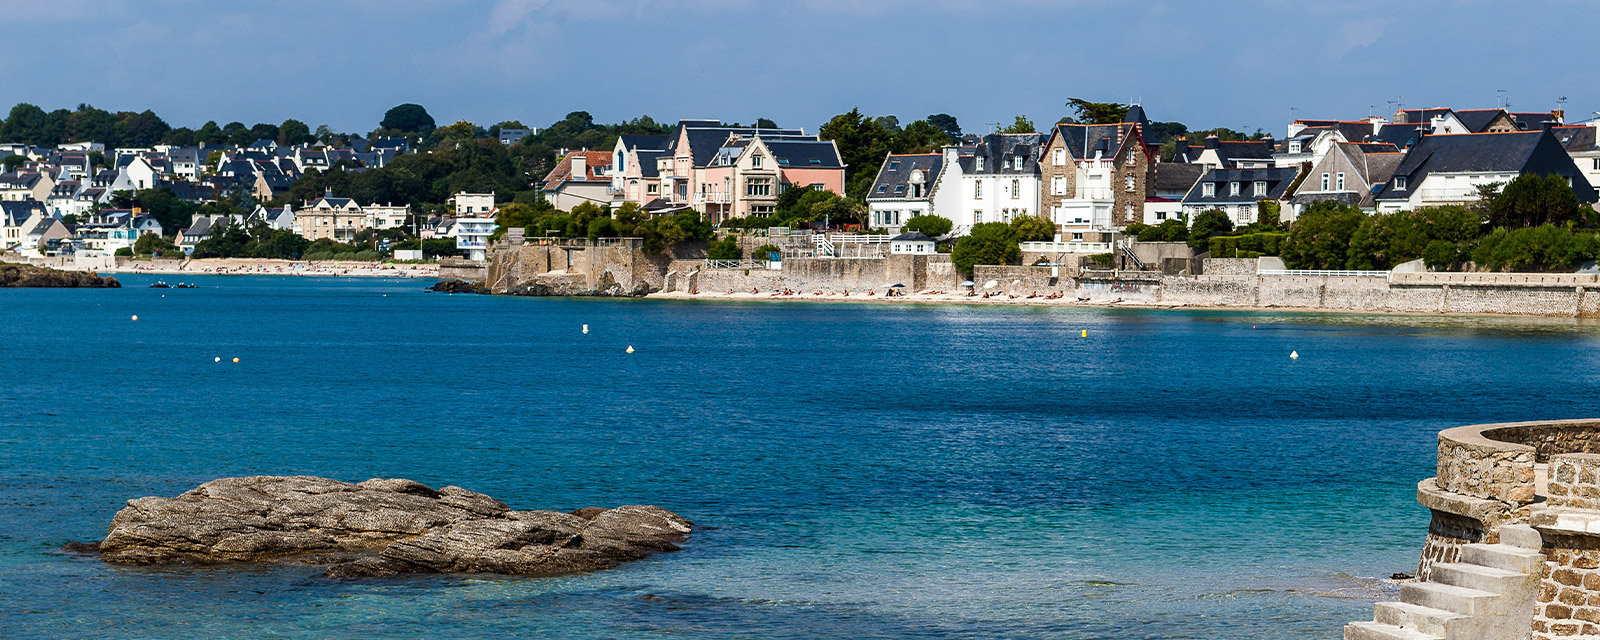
{"x": 713, "y": 197}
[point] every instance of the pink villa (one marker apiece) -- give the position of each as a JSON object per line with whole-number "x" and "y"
{"x": 722, "y": 172}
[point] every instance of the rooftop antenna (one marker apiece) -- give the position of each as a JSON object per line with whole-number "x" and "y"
{"x": 1500, "y": 99}
{"x": 1561, "y": 103}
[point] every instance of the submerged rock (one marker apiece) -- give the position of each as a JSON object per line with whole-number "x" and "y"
{"x": 379, "y": 527}
{"x": 27, "y": 275}
{"x": 458, "y": 286}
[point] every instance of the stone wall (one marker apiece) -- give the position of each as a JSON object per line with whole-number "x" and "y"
{"x": 1230, "y": 266}
{"x": 1022, "y": 281}
{"x": 1474, "y": 465}
{"x": 1447, "y": 533}
{"x": 1575, "y": 481}
{"x": 1569, "y": 589}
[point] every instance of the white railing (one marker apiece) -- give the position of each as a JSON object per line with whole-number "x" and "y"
{"x": 713, "y": 197}
{"x": 1448, "y": 195}
{"x": 865, "y": 238}
{"x": 1068, "y": 247}
{"x": 1334, "y": 273}
{"x": 736, "y": 264}
{"x": 824, "y": 248}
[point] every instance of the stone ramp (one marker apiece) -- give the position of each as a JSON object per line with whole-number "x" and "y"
{"x": 1488, "y": 594}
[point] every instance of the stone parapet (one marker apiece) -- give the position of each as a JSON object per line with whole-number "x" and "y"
{"x": 1472, "y": 464}
{"x": 1575, "y": 481}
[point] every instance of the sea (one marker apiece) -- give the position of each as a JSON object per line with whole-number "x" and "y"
{"x": 853, "y": 470}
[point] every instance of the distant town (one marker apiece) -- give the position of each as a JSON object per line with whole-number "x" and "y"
{"x": 1340, "y": 193}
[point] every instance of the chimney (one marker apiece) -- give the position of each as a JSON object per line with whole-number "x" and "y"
{"x": 1212, "y": 142}
{"x": 1559, "y": 115}
{"x": 579, "y": 167}
{"x": 327, "y": 192}
{"x": 952, "y": 155}
{"x": 1181, "y": 145}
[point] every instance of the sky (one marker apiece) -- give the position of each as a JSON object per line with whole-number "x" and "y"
{"x": 1242, "y": 64}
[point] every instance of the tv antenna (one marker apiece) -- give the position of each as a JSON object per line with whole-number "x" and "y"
{"x": 1500, "y": 99}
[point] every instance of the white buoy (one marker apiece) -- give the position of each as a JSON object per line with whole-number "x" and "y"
{"x": 630, "y": 348}
{"x": 136, "y": 318}
{"x": 1294, "y": 354}
{"x": 585, "y": 328}
{"x": 217, "y": 359}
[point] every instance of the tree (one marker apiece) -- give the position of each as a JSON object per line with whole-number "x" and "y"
{"x": 1383, "y": 241}
{"x": 13, "y": 161}
{"x": 1320, "y": 238}
{"x": 1173, "y": 230}
{"x": 1543, "y": 248}
{"x": 26, "y": 124}
{"x": 946, "y": 123}
{"x": 1032, "y": 229}
{"x": 1097, "y": 112}
{"x": 920, "y": 137}
{"x": 763, "y": 123}
{"x": 815, "y": 205}
{"x": 150, "y": 244}
{"x": 863, "y": 143}
{"x": 408, "y": 118}
{"x": 264, "y": 131}
{"x": 1021, "y": 125}
{"x": 293, "y": 132}
{"x": 1212, "y": 222}
{"x": 210, "y": 133}
{"x": 929, "y": 225}
{"x": 1531, "y": 200}
{"x": 141, "y": 129}
{"x": 988, "y": 243}
{"x": 724, "y": 249}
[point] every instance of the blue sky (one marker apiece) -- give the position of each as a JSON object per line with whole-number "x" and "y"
{"x": 1237, "y": 63}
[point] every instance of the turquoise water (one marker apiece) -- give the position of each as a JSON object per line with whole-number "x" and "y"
{"x": 857, "y": 471}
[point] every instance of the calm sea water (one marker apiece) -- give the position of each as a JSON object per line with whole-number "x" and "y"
{"x": 858, "y": 471}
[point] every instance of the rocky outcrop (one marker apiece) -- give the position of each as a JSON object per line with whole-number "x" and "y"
{"x": 380, "y": 527}
{"x": 577, "y": 286}
{"x": 459, "y": 286}
{"x": 27, "y": 275}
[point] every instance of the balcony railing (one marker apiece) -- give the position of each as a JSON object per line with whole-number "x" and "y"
{"x": 713, "y": 197}
{"x": 1068, "y": 247}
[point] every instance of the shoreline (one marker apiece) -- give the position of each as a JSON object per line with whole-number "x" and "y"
{"x": 263, "y": 267}
{"x": 1069, "y": 303}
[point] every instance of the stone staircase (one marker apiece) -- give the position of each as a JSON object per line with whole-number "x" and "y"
{"x": 1489, "y": 594}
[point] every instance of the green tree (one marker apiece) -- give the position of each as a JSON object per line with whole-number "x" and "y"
{"x": 150, "y": 244}
{"x": 724, "y": 249}
{"x": 1097, "y": 112}
{"x": 989, "y": 243}
{"x": 293, "y": 132}
{"x": 946, "y": 123}
{"x": 1174, "y": 230}
{"x": 408, "y": 118}
{"x": 141, "y": 129}
{"x": 863, "y": 143}
{"x": 1440, "y": 255}
{"x": 1321, "y": 237}
{"x": 13, "y": 161}
{"x": 920, "y": 137}
{"x": 1020, "y": 125}
{"x": 1032, "y": 229}
{"x": 929, "y": 225}
{"x": 1383, "y": 241}
{"x": 763, "y": 123}
{"x": 1543, "y": 248}
{"x": 210, "y": 133}
{"x": 1531, "y": 200}
{"x": 25, "y": 124}
{"x": 1212, "y": 222}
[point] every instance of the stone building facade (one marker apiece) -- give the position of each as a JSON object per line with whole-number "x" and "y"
{"x": 1096, "y": 177}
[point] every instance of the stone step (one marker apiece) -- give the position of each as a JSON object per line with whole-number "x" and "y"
{"x": 1478, "y": 577}
{"x": 1416, "y": 617}
{"x": 1501, "y": 556}
{"x": 1451, "y": 598}
{"x": 1380, "y": 631}
{"x": 1521, "y": 535}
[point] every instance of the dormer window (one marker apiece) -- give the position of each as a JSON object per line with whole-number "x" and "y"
{"x": 894, "y": 165}
{"x": 1233, "y": 188}
{"x": 755, "y": 161}
{"x": 1341, "y": 181}
{"x": 1016, "y": 163}
{"x": 1294, "y": 147}
{"x": 1399, "y": 183}
{"x": 1208, "y": 189}
{"x": 1260, "y": 188}
{"x": 979, "y": 165}
{"x": 1324, "y": 182}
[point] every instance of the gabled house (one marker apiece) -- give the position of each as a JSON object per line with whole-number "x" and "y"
{"x": 1348, "y": 174}
{"x": 906, "y": 187}
{"x": 48, "y": 231}
{"x": 329, "y": 217}
{"x": 18, "y": 186}
{"x": 1439, "y": 120}
{"x": 1448, "y": 169}
{"x": 17, "y": 219}
{"x": 749, "y": 172}
{"x": 1173, "y": 180}
{"x": 1236, "y": 154}
{"x": 1581, "y": 144}
{"x": 1099, "y": 176}
{"x": 201, "y": 228}
{"x": 634, "y": 175}
{"x": 136, "y": 174}
{"x": 578, "y": 178}
{"x": 1487, "y": 121}
{"x": 269, "y": 185}
{"x": 273, "y": 217}
{"x": 1237, "y": 191}
{"x": 690, "y": 151}
{"x": 997, "y": 180}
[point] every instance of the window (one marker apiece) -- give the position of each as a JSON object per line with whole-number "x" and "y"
{"x": 894, "y": 165}
{"x": 1233, "y": 188}
{"x": 1016, "y": 162}
{"x": 755, "y": 161}
{"x": 758, "y": 187}
{"x": 1400, "y": 183}
{"x": 1341, "y": 181}
{"x": 1016, "y": 188}
{"x": 1324, "y": 182}
{"x": 977, "y": 191}
{"x": 1597, "y": 164}
{"x": 1058, "y": 185}
{"x": 979, "y": 163}
{"x": 883, "y": 188}
{"x": 1128, "y": 182}
{"x": 1208, "y": 189}
{"x": 899, "y": 188}
{"x": 1161, "y": 215}
{"x": 977, "y": 217}
{"x": 1061, "y": 158}
{"x": 1260, "y": 188}
{"x": 1131, "y": 159}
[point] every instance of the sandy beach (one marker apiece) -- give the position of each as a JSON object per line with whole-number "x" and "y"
{"x": 341, "y": 268}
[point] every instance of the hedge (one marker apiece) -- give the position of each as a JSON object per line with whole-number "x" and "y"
{"x": 1252, "y": 245}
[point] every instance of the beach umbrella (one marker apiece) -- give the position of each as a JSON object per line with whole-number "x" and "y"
{"x": 969, "y": 283}
{"x": 897, "y": 286}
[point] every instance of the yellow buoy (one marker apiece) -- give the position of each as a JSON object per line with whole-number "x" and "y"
{"x": 235, "y": 359}
{"x": 630, "y": 348}
{"x": 1294, "y": 355}
{"x": 136, "y": 318}
{"x": 585, "y": 328}
{"x": 1085, "y": 334}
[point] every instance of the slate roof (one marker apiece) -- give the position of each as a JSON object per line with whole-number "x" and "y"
{"x": 1399, "y": 135}
{"x": 804, "y": 154}
{"x": 894, "y": 177}
{"x": 594, "y": 162}
{"x": 997, "y": 150}
{"x": 1533, "y": 121}
{"x": 1576, "y": 138}
{"x": 1178, "y": 176}
{"x": 1476, "y": 120}
{"x": 1232, "y": 150}
{"x": 14, "y": 213}
{"x": 705, "y": 141}
{"x": 647, "y": 162}
{"x": 1521, "y": 152}
{"x": 911, "y": 236}
{"x": 641, "y": 142}
{"x": 1278, "y": 180}
{"x": 1424, "y": 116}
{"x": 1082, "y": 140}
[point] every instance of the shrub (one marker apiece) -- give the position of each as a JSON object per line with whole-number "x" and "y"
{"x": 724, "y": 249}
{"x": 1542, "y": 248}
{"x": 931, "y": 226}
{"x": 1209, "y": 223}
{"x": 1174, "y": 230}
{"x": 125, "y": 251}
{"x": 1320, "y": 239}
{"x": 1032, "y": 229}
{"x": 1255, "y": 244}
{"x": 765, "y": 251}
{"x": 1441, "y": 254}
{"x": 989, "y": 243}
